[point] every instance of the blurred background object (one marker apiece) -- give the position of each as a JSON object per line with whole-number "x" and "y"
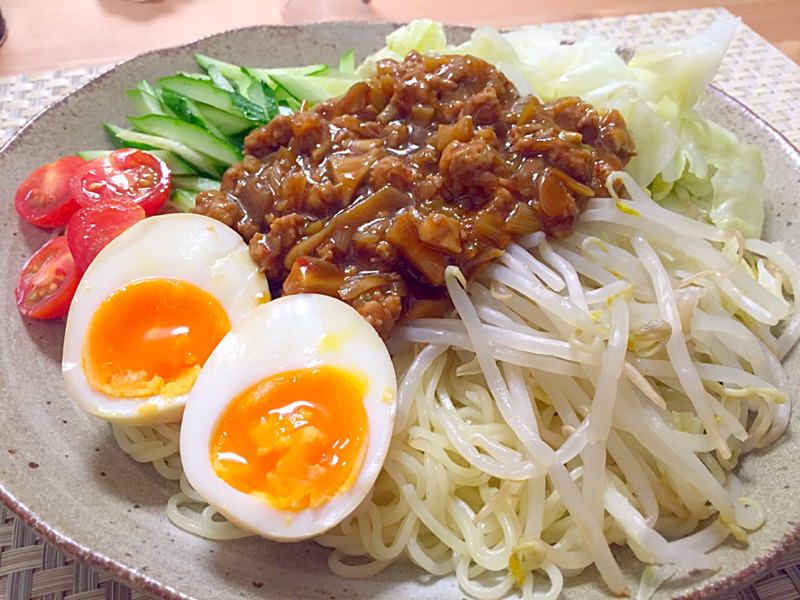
{"x": 3, "y": 28}
{"x": 50, "y": 34}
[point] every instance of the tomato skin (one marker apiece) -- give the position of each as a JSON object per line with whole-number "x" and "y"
{"x": 125, "y": 174}
{"x": 45, "y": 198}
{"x": 47, "y": 281}
{"x": 93, "y": 227}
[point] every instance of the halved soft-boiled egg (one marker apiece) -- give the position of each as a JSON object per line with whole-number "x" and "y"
{"x": 289, "y": 422}
{"x": 149, "y": 311}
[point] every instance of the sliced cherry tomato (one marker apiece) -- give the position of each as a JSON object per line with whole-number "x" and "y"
{"x": 45, "y": 198}
{"x": 93, "y": 227}
{"x": 125, "y": 174}
{"x": 48, "y": 281}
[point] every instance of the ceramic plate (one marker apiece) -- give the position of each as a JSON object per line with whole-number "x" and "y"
{"x": 63, "y": 473}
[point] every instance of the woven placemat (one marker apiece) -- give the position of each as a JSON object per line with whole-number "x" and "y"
{"x": 753, "y": 71}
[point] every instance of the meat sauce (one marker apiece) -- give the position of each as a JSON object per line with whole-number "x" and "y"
{"x": 434, "y": 161}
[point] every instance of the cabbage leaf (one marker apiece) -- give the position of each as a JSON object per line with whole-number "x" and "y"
{"x": 690, "y": 163}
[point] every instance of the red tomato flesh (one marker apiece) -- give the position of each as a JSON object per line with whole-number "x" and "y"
{"x": 45, "y": 198}
{"x": 93, "y": 227}
{"x": 125, "y": 174}
{"x": 48, "y": 281}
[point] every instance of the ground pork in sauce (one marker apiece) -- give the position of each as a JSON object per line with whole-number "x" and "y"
{"x": 434, "y": 161}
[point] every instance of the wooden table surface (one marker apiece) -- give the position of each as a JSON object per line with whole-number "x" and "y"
{"x": 47, "y": 34}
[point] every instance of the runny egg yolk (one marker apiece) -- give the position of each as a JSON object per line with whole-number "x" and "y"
{"x": 295, "y": 439}
{"x": 151, "y": 337}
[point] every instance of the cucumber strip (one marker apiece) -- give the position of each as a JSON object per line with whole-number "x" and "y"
{"x": 136, "y": 139}
{"x": 194, "y": 183}
{"x": 270, "y": 101}
{"x": 183, "y": 200}
{"x": 145, "y": 86}
{"x": 208, "y": 93}
{"x": 347, "y": 63}
{"x": 113, "y": 132}
{"x": 265, "y": 75}
{"x": 88, "y": 155}
{"x": 247, "y": 84}
{"x": 189, "y": 134}
{"x": 314, "y": 89}
{"x": 154, "y": 94}
{"x": 233, "y": 73}
{"x": 159, "y": 93}
{"x": 264, "y": 95}
{"x": 188, "y": 111}
{"x": 219, "y": 79}
{"x": 255, "y": 93}
{"x": 286, "y": 99}
{"x": 227, "y": 123}
{"x": 198, "y": 76}
{"x": 144, "y": 103}
{"x": 175, "y": 163}
{"x": 229, "y": 70}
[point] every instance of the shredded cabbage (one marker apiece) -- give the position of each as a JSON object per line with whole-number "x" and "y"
{"x": 691, "y": 164}
{"x": 421, "y": 35}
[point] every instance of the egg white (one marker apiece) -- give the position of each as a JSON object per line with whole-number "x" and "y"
{"x": 188, "y": 247}
{"x": 293, "y": 332}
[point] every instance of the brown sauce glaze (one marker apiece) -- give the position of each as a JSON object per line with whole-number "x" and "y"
{"x": 434, "y": 161}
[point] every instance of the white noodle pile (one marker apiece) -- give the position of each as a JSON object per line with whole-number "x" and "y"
{"x": 589, "y": 391}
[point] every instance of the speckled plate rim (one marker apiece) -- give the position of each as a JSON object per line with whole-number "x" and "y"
{"x": 134, "y": 578}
